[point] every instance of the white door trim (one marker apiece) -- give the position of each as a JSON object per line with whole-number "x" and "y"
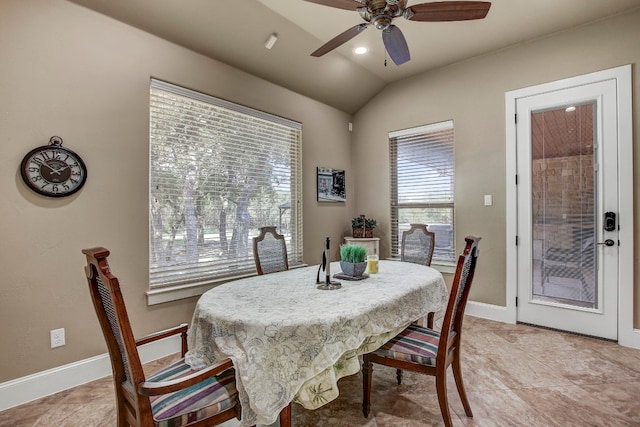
{"x": 627, "y": 335}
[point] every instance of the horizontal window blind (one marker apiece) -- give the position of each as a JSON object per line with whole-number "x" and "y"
{"x": 422, "y": 184}
{"x": 218, "y": 172}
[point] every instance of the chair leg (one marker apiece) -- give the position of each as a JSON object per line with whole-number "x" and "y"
{"x": 122, "y": 416}
{"x": 367, "y": 370}
{"x": 457, "y": 375}
{"x": 441, "y": 389}
{"x": 399, "y": 376}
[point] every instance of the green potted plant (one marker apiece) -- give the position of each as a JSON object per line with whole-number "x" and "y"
{"x": 353, "y": 259}
{"x": 362, "y": 227}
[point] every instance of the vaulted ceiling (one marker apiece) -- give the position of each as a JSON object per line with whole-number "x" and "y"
{"x": 235, "y": 32}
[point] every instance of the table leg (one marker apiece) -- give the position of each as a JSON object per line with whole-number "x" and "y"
{"x": 285, "y": 416}
{"x": 430, "y": 318}
{"x": 367, "y": 368}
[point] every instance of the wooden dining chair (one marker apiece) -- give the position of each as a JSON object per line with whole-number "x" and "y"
{"x": 417, "y": 245}
{"x": 427, "y": 351}
{"x": 270, "y": 251}
{"x": 173, "y": 396}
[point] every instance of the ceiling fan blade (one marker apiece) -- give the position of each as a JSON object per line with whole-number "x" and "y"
{"x": 448, "y": 11}
{"x": 340, "y": 4}
{"x": 339, "y": 39}
{"x": 396, "y": 45}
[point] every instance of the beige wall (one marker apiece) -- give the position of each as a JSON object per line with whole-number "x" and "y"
{"x": 70, "y": 72}
{"x": 472, "y": 93}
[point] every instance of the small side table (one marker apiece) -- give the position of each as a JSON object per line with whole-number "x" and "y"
{"x": 372, "y": 244}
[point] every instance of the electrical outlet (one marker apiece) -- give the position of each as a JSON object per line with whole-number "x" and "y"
{"x": 57, "y": 338}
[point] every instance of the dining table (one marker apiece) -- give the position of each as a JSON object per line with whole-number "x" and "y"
{"x": 291, "y": 341}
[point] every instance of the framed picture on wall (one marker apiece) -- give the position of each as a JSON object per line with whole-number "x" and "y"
{"x": 331, "y": 185}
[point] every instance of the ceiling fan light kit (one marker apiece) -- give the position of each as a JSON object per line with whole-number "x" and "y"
{"x": 381, "y": 13}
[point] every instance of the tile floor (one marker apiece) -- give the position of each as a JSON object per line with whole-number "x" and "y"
{"x": 515, "y": 375}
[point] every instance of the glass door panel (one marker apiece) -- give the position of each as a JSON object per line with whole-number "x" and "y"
{"x": 563, "y": 180}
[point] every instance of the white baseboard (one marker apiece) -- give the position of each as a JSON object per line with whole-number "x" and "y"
{"x": 630, "y": 338}
{"x": 45, "y": 383}
{"x": 491, "y": 312}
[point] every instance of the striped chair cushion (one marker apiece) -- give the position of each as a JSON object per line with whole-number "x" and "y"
{"x": 415, "y": 344}
{"x": 195, "y": 403}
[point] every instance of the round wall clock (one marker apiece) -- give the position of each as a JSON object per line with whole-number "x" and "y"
{"x": 52, "y": 170}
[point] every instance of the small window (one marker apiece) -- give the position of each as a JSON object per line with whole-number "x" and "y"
{"x": 218, "y": 172}
{"x": 422, "y": 178}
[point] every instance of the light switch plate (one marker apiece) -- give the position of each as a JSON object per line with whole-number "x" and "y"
{"x": 488, "y": 200}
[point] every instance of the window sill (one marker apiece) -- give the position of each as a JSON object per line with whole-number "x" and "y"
{"x": 174, "y": 293}
{"x": 442, "y": 266}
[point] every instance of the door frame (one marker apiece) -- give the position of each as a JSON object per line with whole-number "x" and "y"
{"x": 627, "y": 335}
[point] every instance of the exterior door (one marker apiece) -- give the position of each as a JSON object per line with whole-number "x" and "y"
{"x": 567, "y": 209}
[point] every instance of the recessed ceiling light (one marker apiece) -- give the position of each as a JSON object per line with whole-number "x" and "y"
{"x": 360, "y": 50}
{"x": 570, "y": 109}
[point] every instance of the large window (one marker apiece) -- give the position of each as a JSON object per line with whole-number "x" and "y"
{"x": 218, "y": 172}
{"x": 422, "y": 185}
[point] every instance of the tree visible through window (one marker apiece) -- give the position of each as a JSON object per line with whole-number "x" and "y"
{"x": 218, "y": 172}
{"x": 422, "y": 181}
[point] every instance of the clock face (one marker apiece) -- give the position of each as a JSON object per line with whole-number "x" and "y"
{"x": 53, "y": 171}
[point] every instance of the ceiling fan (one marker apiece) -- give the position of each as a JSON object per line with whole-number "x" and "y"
{"x": 381, "y": 13}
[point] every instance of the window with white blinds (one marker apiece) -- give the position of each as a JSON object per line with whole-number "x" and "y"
{"x": 422, "y": 178}
{"x": 218, "y": 172}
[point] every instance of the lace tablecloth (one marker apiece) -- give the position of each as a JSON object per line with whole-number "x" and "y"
{"x": 292, "y": 342}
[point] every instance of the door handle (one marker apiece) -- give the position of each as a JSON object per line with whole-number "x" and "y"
{"x": 608, "y": 242}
